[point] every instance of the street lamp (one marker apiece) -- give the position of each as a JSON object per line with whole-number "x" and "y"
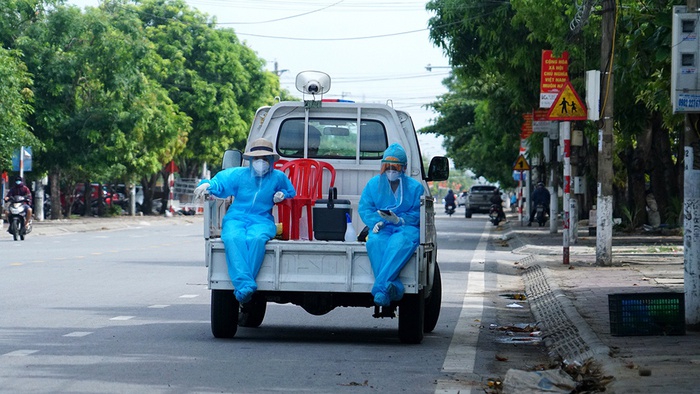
{"x": 430, "y": 68}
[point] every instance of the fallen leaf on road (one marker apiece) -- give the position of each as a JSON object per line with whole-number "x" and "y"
{"x": 501, "y": 358}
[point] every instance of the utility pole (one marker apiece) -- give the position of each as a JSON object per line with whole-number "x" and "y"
{"x": 604, "y": 217}
{"x": 691, "y": 211}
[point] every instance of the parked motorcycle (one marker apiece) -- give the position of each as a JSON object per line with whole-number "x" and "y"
{"x": 17, "y": 217}
{"x": 540, "y": 215}
{"x": 495, "y": 214}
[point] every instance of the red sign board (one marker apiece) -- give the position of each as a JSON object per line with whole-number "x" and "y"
{"x": 553, "y": 77}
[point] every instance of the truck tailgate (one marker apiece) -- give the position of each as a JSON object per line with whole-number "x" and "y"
{"x": 312, "y": 266}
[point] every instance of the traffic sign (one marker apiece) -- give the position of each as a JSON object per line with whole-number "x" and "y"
{"x": 567, "y": 106}
{"x": 521, "y": 164}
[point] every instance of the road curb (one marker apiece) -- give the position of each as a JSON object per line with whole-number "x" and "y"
{"x": 567, "y": 336}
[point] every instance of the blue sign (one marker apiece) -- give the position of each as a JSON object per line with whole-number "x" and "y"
{"x": 27, "y": 159}
{"x": 690, "y": 101}
{"x": 517, "y": 174}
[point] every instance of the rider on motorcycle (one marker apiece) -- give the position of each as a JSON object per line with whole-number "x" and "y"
{"x": 20, "y": 189}
{"x": 450, "y": 201}
{"x": 498, "y": 202}
{"x": 539, "y": 197}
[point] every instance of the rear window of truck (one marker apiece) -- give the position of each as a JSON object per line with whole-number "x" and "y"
{"x": 332, "y": 138}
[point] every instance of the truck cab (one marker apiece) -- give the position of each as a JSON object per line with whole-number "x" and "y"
{"x": 317, "y": 274}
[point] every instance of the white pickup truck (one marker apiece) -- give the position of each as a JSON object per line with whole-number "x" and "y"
{"x": 322, "y": 275}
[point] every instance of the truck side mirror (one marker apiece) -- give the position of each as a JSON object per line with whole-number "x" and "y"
{"x": 232, "y": 158}
{"x": 439, "y": 169}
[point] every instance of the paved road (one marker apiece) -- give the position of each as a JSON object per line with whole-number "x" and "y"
{"x": 122, "y": 306}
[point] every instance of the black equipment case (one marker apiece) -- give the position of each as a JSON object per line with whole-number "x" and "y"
{"x": 329, "y": 219}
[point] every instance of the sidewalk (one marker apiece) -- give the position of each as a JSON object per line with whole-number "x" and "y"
{"x": 86, "y": 224}
{"x": 571, "y": 302}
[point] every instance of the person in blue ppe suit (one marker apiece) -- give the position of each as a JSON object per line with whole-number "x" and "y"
{"x": 390, "y": 206}
{"x": 248, "y": 223}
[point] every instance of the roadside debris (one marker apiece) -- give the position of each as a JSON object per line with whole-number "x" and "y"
{"x": 560, "y": 377}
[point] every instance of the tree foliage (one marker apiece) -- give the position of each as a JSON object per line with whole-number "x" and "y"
{"x": 118, "y": 91}
{"x": 494, "y": 48}
{"x": 15, "y": 105}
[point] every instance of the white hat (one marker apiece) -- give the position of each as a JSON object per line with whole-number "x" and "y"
{"x": 261, "y": 148}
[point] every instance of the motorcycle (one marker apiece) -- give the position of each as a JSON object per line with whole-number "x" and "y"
{"x": 495, "y": 214}
{"x": 449, "y": 210}
{"x": 540, "y": 215}
{"x": 17, "y": 217}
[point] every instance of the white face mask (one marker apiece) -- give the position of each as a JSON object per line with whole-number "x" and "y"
{"x": 392, "y": 175}
{"x": 260, "y": 167}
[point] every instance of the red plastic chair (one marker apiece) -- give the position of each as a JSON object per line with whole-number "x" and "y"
{"x": 306, "y": 176}
{"x": 279, "y": 163}
{"x": 331, "y": 170}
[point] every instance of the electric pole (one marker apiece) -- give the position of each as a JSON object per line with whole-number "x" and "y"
{"x": 691, "y": 211}
{"x": 604, "y": 216}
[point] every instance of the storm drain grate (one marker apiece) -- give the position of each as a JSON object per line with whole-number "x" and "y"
{"x": 562, "y": 338}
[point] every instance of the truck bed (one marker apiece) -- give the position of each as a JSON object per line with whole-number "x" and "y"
{"x": 310, "y": 266}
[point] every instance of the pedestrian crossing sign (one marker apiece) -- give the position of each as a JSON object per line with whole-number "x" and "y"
{"x": 567, "y": 106}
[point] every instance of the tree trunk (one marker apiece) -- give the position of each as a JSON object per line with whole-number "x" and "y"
{"x": 663, "y": 170}
{"x": 636, "y": 170}
{"x": 56, "y": 208}
{"x": 636, "y": 200}
{"x": 87, "y": 198}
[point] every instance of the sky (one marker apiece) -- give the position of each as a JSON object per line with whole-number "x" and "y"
{"x": 374, "y": 50}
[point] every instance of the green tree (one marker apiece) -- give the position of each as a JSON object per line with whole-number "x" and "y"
{"x": 90, "y": 97}
{"x": 15, "y": 84}
{"x": 494, "y": 81}
{"x": 496, "y": 78}
{"x": 211, "y": 75}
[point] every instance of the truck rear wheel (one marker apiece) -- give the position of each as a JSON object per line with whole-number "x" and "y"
{"x": 252, "y": 313}
{"x": 411, "y": 318}
{"x": 433, "y": 302}
{"x": 224, "y": 314}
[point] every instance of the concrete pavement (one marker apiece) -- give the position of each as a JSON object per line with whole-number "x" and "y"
{"x": 86, "y": 224}
{"x": 571, "y": 303}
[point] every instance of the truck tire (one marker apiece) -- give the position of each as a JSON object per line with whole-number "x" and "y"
{"x": 252, "y": 313}
{"x": 224, "y": 314}
{"x": 433, "y": 302}
{"x": 467, "y": 213}
{"x": 411, "y": 318}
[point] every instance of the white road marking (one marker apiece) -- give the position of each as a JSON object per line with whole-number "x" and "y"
{"x": 461, "y": 355}
{"x": 157, "y": 306}
{"x": 122, "y": 318}
{"x": 189, "y": 296}
{"x": 20, "y": 353}
{"x": 78, "y": 334}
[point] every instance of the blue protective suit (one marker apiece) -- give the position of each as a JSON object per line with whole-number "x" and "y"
{"x": 390, "y": 249}
{"x": 248, "y": 223}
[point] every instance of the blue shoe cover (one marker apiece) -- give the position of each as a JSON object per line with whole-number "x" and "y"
{"x": 381, "y": 299}
{"x": 395, "y": 290}
{"x": 244, "y": 295}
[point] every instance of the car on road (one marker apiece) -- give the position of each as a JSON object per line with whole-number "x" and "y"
{"x": 479, "y": 199}
{"x": 462, "y": 198}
